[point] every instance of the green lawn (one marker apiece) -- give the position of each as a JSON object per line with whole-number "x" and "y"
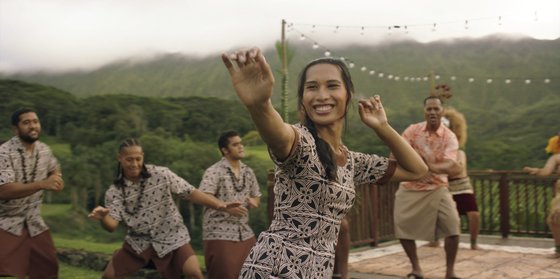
{"x": 68, "y": 271}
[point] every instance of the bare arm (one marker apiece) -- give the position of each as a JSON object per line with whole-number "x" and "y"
{"x": 447, "y": 166}
{"x": 552, "y": 164}
{"x": 208, "y": 200}
{"x": 18, "y": 190}
{"x": 253, "y": 81}
{"x": 410, "y": 165}
{"x": 102, "y": 214}
{"x": 253, "y": 202}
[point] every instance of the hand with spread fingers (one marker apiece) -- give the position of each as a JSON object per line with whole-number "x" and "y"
{"x": 251, "y": 76}
{"x": 372, "y": 112}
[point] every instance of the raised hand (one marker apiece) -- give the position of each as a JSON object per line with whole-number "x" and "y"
{"x": 372, "y": 112}
{"x": 251, "y": 76}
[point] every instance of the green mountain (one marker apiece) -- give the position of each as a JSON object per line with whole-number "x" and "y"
{"x": 509, "y": 123}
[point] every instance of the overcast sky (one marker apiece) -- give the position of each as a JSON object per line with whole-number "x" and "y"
{"x": 64, "y": 35}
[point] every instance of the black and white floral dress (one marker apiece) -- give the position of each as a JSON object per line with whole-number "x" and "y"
{"x": 308, "y": 209}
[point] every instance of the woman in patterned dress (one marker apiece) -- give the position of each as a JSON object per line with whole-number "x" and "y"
{"x": 315, "y": 172}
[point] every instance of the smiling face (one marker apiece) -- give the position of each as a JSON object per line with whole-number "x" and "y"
{"x": 131, "y": 159}
{"x": 28, "y": 128}
{"x": 324, "y": 94}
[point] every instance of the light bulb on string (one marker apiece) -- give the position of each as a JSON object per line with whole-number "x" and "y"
{"x": 471, "y": 79}
{"x": 546, "y": 80}
{"x": 380, "y": 75}
{"x": 499, "y": 20}
{"x": 362, "y": 32}
{"x": 363, "y": 68}
{"x": 390, "y": 77}
{"x": 434, "y": 27}
{"x": 418, "y": 78}
{"x": 372, "y": 72}
{"x": 389, "y": 31}
{"x": 342, "y": 58}
{"x": 336, "y": 29}
{"x": 536, "y": 18}
{"x": 405, "y": 78}
{"x": 327, "y": 53}
{"x": 453, "y": 78}
{"x": 508, "y": 81}
{"x": 425, "y": 78}
{"x": 313, "y": 28}
{"x": 397, "y": 78}
{"x": 315, "y": 45}
{"x": 437, "y": 77}
{"x": 527, "y": 81}
{"x": 489, "y": 81}
{"x": 302, "y": 37}
{"x": 351, "y": 65}
{"x": 466, "y": 24}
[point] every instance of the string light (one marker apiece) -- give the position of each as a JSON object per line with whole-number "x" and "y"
{"x": 364, "y": 68}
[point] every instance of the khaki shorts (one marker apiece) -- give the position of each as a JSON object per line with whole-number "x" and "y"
{"x": 425, "y": 215}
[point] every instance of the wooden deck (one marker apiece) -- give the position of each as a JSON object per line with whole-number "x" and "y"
{"x": 511, "y": 258}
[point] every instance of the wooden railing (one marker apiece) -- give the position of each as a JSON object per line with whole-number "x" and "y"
{"x": 509, "y": 202}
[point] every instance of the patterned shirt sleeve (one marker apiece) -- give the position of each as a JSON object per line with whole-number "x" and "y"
{"x": 254, "y": 184}
{"x": 53, "y": 162}
{"x": 452, "y": 146}
{"x": 371, "y": 168}
{"x": 113, "y": 202}
{"x": 210, "y": 181}
{"x": 7, "y": 174}
{"x": 177, "y": 184}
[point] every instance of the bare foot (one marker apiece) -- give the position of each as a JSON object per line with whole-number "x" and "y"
{"x": 475, "y": 247}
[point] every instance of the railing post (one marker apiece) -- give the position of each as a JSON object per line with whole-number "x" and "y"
{"x": 504, "y": 205}
{"x": 373, "y": 191}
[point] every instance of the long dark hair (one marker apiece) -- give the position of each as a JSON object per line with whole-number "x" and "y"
{"x": 119, "y": 178}
{"x": 323, "y": 148}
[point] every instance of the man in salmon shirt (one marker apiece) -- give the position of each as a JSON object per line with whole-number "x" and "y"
{"x": 424, "y": 209}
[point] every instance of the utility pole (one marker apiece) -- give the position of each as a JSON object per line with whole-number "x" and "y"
{"x": 284, "y": 84}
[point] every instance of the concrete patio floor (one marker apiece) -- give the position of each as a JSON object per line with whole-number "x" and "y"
{"x": 511, "y": 258}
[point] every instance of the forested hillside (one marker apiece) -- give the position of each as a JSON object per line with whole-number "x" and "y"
{"x": 192, "y": 98}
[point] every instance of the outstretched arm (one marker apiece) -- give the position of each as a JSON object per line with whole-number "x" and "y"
{"x": 208, "y": 200}
{"x": 410, "y": 165}
{"x": 551, "y": 164}
{"x": 102, "y": 214}
{"x": 253, "y": 81}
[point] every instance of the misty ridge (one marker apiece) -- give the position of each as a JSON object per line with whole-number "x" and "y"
{"x": 509, "y": 122}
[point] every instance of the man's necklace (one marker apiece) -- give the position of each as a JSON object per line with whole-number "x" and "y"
{"x": 24, "y": 166}
{"x": 138, "y": 200}
{"x": 236, "y": 185}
